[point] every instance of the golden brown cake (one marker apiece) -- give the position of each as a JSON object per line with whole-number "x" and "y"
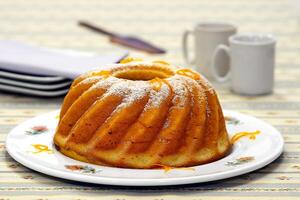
{"x": 141, "y": 115}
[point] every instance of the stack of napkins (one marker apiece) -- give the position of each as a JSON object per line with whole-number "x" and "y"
{"x": 36, "y": 71}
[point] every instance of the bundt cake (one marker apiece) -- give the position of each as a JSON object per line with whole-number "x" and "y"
{"x": 140, "y": 114}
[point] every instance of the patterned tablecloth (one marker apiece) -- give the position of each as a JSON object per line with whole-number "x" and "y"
{"x": 53, "y": 24}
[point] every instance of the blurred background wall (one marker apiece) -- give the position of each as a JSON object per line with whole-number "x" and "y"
{"x": 54, "y": 23}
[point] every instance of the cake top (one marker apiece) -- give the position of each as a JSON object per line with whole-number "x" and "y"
{"x": 137, "y": 75}
{"x": 137, "y": 69}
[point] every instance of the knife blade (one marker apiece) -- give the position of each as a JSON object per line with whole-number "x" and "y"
{"x": 128, "y": 41}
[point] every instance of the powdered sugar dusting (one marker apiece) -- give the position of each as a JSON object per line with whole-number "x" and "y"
{"x": 90, "y": 80}
{"x": 131, "y": 91}
{"x": 104, "y": 83}
{"x": 180, "y": 91}
{"x": 157, "y": 97}
{"x": 197, "y": 91}
{"x": 138, "y": 90}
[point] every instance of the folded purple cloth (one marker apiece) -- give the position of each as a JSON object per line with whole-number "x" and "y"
{"x": 20, "y": 57}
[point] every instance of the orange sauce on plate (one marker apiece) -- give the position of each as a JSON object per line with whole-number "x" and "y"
{"x": 41, "y": 148}
{"x": 168, "y": 168}
{"x": 250, "y": 135}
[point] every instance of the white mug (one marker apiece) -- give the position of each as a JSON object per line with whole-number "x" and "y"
{"x": 207, "y": 36}
{"x": 252, "y": 60}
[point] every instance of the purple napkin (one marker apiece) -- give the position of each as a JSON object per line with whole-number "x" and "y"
{"x": 20, "y": 57}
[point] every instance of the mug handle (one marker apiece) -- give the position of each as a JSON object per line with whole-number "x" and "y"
{"x": 186, "y": 57}
{"x": 214, "y": 69}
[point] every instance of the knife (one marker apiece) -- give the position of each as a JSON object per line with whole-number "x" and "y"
{"x": 128, "y": 41}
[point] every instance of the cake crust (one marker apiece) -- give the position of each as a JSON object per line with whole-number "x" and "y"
{"x": 142, "y": 114}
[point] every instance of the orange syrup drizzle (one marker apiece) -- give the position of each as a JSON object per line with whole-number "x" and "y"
{"x": 168, "y": 84}
{"x": 161, "y": 62}
{"x": 188, "y": 73}
{"x": 41, "y": 148}
{"x": 104, "y": 73}
{"x": 168, "y": 168}
{"x": 250, "y": 135}
{"x": 130, "y": 59}
{"x": 158, "y": 82}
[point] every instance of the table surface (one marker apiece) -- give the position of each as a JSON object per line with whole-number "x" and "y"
{"x": 53, "y": 24}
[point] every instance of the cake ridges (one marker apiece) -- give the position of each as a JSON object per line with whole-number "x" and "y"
{"x": 180, "y": 113}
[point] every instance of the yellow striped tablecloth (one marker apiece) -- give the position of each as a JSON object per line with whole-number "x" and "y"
{"x": 53, "y": 24}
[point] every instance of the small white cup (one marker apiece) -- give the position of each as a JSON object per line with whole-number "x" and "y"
{"x": 252, "y": 60}
{"x": 207, "y": 36}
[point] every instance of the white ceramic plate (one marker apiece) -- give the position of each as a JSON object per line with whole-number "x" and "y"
{"x": 33, "y": 92}
{"x": 31, "y": 78}
{"x": 38, "y": 86}
{"x": 30, "y": 143}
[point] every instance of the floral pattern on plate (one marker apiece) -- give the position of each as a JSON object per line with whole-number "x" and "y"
{"x": 232, "y": 120}
{"x": 240, "y": 161}
{"x": 82, "y": 168}
{"x": 36, "y": 130}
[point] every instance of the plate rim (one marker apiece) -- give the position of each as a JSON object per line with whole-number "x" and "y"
{"x": 32, "y": 78}
{"x": 36, "y": 86}
{"x": 147, "y": 181}
{"x": 34, "y": 92}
